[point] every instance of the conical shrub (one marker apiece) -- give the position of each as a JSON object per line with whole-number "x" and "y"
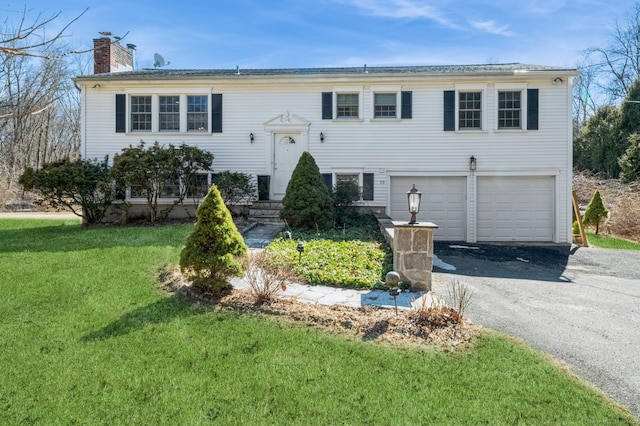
{"x": 596, "y": 212}
{"x": 307, "y": 202}
{"x": 210, "y": 255}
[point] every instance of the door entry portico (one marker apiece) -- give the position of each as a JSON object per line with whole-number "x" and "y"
{"x": 289, "y": 139}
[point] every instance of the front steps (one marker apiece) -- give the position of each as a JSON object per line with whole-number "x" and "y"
{"x": 265, "y": 211}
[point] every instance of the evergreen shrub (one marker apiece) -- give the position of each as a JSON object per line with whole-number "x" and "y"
{"x": 307, "y": 202}
{"x": 212, "y": 250}
{"x": 596, "y": 212}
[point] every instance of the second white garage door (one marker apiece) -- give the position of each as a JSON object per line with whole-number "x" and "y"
{"x": 515, "y": 208}
{"x": 443, "y": 203}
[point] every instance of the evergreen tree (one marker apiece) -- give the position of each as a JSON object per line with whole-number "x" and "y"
{"x": 596, "y": 212}
{"x": 210, "y": 254}
{"x": 630, "y": 160}
{"x": 600, "y": 143}
{"x": 307, "y": 202}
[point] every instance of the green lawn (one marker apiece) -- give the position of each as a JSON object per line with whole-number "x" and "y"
{"x": 87, "y": 337}
{"x": 606, "y": 241}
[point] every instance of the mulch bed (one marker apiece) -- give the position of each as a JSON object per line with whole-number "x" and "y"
{"x": 440, "y": 327}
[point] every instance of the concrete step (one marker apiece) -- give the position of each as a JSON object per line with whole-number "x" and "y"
{"x": 265, "y": 211}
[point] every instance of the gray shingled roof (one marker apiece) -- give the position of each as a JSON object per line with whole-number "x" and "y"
{"x": 163, "y": 73}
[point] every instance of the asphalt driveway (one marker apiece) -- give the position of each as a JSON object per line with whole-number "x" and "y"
{"x": 580, "y": 305}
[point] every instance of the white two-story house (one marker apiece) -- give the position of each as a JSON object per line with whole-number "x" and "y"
{"x": 489, "y": 146}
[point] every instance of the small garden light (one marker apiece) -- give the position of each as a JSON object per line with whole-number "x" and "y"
{"x": 287, "y": 235}
{"x": 414, "y": 196}
{"x": 392, "y": 281}
{"x": 300, "y": 249}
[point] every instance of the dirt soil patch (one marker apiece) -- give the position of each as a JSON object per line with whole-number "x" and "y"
{"x": 621, "y": 199}
{"x": 437, "y": 327}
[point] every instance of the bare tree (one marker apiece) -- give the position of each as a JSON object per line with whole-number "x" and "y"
{"x": 26, "y": 39}
{"x": 39, "y": 107}
{"x": 616, "y": 66}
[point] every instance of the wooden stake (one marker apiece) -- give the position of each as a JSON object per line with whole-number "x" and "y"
{"x": 576, "y": 210}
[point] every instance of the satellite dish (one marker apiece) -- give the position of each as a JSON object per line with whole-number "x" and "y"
{"x": 159, "y": 61}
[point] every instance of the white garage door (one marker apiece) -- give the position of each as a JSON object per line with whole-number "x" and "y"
{"x": 443, "y": 203}
{"x": 515, "y": 208}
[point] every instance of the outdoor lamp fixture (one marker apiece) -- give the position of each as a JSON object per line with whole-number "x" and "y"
{"x": 392, "y": 281}
{"x": 321, "y": 137}
{"x": 287, "y": 235}
{"x": 251, "y": 137}
{"x": 414, "y": 196}
{"x": 300, "y": 249}
{"x": 472, "y": 163}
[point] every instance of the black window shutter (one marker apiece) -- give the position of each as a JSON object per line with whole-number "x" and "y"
{"x": 327, "y": 105}
{"x": 216, "y": 113}
{"x": 407, "y": 105}
{"x": 449, "y": 110}
{"x": 367, "y": 186}
{"x": 532, "y": 109}
{"x": 121, "y": 113}
{"x": 328, "y": 180}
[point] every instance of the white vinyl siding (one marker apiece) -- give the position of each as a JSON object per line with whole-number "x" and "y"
{"x": 387, "y": 148}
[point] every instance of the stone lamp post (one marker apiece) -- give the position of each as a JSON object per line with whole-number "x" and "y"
{"x": 413, "y": 247}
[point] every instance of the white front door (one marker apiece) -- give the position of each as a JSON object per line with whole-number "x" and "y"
{"x": 288, "y": 148}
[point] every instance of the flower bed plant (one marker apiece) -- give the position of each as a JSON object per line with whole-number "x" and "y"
{"x": 354, "y": 256}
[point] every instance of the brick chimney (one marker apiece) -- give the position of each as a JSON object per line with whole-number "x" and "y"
{"x": 110, "y": 56}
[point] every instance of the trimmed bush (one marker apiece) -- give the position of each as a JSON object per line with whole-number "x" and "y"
{"x": 596, "y": 212}
{"x": 210, "y": 255}
{"x": 307, "y": 202}
{"x": 235, "y": 187}
{"x": 83, "y": 187}
{"x": 157, "y": 171}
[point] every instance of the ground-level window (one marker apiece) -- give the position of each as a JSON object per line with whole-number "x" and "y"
{"x": 137, "y": 191}
{"x": 171, "y": 188}
{"x": 350, "y": 186}
{"x": 198, "y": 186}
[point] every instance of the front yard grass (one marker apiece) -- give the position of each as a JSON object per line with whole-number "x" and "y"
{"x": 609, "y": 242}
{"x": 88, "y": 337}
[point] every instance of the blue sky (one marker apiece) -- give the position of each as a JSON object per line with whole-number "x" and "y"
{"x": 319, "y": 33}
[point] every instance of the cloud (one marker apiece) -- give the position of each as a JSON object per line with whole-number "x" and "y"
{"x": 492, "y": 28}
{"x": 403, "y": 9}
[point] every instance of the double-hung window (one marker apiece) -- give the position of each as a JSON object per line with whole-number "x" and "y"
{"x": 354, "y": 186}
{"x": 514, "y": 107}
{"x": 198, "y": 185}
{"x": 470, "y": 110}
{"x": 509, "y": 110}
{"x": 169, "y": 115}
{"x": 197, "y": 113}
{"x": 384, "y": 105}
{"x": 347, "y": 105}
{"x": 141, "y": 113}
{"x": 178, "y": 113}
